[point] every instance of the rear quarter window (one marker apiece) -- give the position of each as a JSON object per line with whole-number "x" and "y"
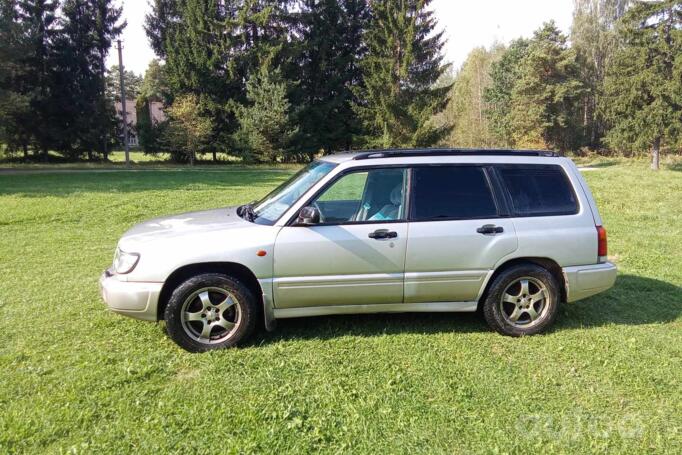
{"x": 538, "y": 190}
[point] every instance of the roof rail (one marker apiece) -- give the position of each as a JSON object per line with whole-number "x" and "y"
{"x": 392, "y": 153}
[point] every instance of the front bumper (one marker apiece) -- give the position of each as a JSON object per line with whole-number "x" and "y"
{"x": 587, "y": 280}
{"x": 129, "y": 298}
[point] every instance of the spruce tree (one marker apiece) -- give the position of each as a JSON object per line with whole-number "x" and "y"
{"x": 332, "y": 46}
{"x": 14, "y": 98}
{"x": 546, "y": 96}
{"x": 107, "y": 28}
{"x": 404, "y": 60}
{"x": 159, "y": 22}
{"x": 643, "y": 88}
{"x": 39, "y": 24}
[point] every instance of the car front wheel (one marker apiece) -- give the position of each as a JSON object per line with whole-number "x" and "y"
{"x": 210, "y": 311}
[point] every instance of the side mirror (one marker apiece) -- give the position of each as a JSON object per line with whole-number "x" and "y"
{"x": 308, "y": 216}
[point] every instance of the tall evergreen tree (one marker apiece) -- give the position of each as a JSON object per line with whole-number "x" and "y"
{"x": 159, "y": 23}
{"x": 404, "y": 61}
{"x": 643, "y": 89}
{"x": 107, "y": 28}
{"x": 332, "y": 47}
{"x": 545, "y": 97}
{"x": 83, "y": 118}
{"x": 213, "y": 48}
{"x": 14, "y": 99}
{"x": 498, "y": 96}
{"x": 39, "y": 22}
{"x": 593, "y": 37}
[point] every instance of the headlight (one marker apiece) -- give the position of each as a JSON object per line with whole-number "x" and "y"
{"x": 125, "y": 262}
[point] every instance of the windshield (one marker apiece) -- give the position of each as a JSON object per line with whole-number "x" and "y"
{"x": 271, "y": 207}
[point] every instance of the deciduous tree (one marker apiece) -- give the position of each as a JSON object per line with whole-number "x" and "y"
{"x": 188, "y": 128}
{"x": 593, "y": 37}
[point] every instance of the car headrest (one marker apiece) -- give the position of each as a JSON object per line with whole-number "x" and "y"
{"x": 397, "y": 195}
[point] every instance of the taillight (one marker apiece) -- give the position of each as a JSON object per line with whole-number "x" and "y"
{"x": 601, "y": 243}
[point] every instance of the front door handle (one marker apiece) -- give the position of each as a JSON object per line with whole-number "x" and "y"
{"x": 490, "y": 229}
{"x": 381, "y": 234}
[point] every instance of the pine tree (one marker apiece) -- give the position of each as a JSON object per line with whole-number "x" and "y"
{"x": 265, "y": 127}
{"x": 332, "y": 46}
{"x": 643, "y": 88}
{"x": 498, "y": 96}
{"x": 404, "y": 60}
{"x": 545, "y": 97}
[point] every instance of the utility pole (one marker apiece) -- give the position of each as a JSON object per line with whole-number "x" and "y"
{"x": 123, "y": 102}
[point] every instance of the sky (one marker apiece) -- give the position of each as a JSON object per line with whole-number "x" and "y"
{"x": 468, "y": 24}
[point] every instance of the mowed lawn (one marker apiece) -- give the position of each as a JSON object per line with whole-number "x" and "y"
{"x": 75, "y": 378}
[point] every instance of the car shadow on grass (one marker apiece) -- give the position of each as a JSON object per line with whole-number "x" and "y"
{"x": 370, "y": 325}
{"x": 634, "y": 300}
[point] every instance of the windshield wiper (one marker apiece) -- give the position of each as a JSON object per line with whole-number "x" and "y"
{"x": 246, "y": 211}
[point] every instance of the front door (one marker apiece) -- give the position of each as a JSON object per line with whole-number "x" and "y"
{"x": 457, "y": 234}
{"x": 356, "y": 254}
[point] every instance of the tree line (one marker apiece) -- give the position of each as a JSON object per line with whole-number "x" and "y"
{"x": 613, "y": 85}
{"x": 52, "y": 76}
{"x": 285, "y": 80}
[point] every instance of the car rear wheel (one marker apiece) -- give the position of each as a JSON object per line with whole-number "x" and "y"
{"x": 210, "y": 311}
{"x": 522, "y": 300}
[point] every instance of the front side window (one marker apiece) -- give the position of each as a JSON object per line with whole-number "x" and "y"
{"x": 271, "y": 207}
{"x": 539, "y": 190}
{"x": 364, "y": 196}
{"x": 451, "y": 192}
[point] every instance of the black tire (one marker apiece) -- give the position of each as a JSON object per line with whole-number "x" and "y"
{"x": 499, "y": 315}
{"x": 242, "y": 314}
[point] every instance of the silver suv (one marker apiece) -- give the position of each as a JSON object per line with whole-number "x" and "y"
{"x": 512, "y": 233}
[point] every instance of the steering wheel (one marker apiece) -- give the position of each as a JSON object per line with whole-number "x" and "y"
{"x": 322, "y": 219}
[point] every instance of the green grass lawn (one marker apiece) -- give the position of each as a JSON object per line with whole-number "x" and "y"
{"x": 75, "y": 378}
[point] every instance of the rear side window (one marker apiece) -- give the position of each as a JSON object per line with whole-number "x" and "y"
{"x": 451, "y": 192}
{"x": 539, "y": 190}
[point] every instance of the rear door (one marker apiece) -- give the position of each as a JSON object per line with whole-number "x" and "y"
{"x": 552, "y": 219}
{"x": 458, "y": 231}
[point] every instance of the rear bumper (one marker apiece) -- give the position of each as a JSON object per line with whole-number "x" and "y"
{"x": 136, "y": 300}
{"x": 587, "y": 280}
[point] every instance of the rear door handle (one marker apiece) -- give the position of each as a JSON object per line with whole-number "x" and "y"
{"x": 488, "y": 229}
{"x": 381, "y": 234}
